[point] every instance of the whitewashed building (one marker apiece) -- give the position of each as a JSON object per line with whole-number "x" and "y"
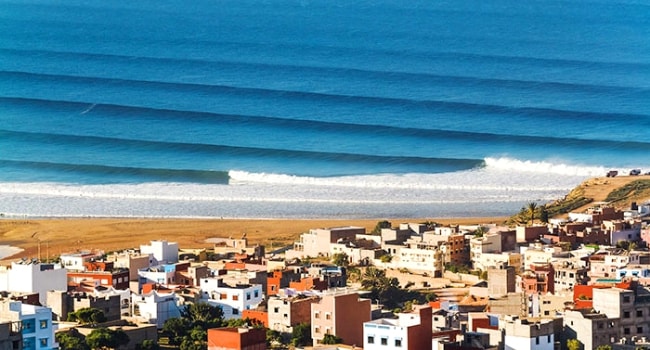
{"x": 31, "y": 276}
{"x": 163, "y": 252}
{"x": 232, "y": 299}
{"x": 155, "y": 307}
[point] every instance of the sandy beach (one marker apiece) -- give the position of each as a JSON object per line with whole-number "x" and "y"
{"x": 56, "y": 236}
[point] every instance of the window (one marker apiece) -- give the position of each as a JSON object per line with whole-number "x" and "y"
{"x": 626, "y": 314}
{"x": 639, "y": 330}
{"x": 276, "y": 309}
{"x": 384, "y": 341}
{"x": 286, "y": 316}
{"x": 537, "y": 340}
{"x": 600, "y": 325}
{"x": 626, "y": 330}
{"x": 548, "y": 338}
{"x": 43, "y": 324}
{"x": 223, "y": 296}
{"x": 43, "y": 342}
{"x": 639, "y": 313}
{"x": 316, "y": 314}
{"x": 328, "y": 316}
{"x": 626, "y": 299}
{"x": 235, "y": 311}
{"x": 371, "y": 339}
{"x": 29, "y": 326}
{"x": 316, "y": 329}
{"x": 235, "y": 297}
{"x": 248, "y": 296}
{"x": 256, "y": 293}
{"x": 398, "y": 343}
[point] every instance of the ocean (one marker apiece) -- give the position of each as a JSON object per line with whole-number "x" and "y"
{"x": 316, "y": 109}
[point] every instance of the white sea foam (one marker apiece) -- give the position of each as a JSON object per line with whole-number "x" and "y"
{"x": 493, "y": 190}
{"x": 544, "y": 167}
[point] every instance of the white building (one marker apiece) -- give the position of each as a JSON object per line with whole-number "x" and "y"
{"x": 524, "y": 334}
{"x": 410, "y": 330}
{"x": 160, "y": 274}
{"x": 36, "y": 324}
{"x": 31, "y": 276}
{"x": 162, "y": 251}
{"x": 428, "y": 260}
{"x": 155, "y": 308}
{"x": 232, "y": 299}
{"x": 75, "y": 261}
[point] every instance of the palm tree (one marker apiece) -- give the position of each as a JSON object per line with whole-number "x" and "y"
{"x": 532, "y": 206}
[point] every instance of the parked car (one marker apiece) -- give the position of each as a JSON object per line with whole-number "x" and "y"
{"x": 635, "y": 172}
{"x": 612, "y": 173}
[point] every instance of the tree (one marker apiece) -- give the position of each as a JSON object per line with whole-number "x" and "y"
{"x": 340, "y": 259}
{"x": 175, "y": 329}
{"x": 204, "y": 315}
{"x": 195, "y": 340}
{"x": 386, "y": 258}
{"x": 331, "y": 339}
{"x": 301, "y": 334}
{"x": 604, "y": 347}
{"x": 71, "y": 340}
{"x": 532, "y": 207}
{"x": 104, "y": 338}
{"x": 148, "y": 344}
{"x": 273, "y": 337}
{"x": 87, "y": 315}
{"x": 543, "y": 214}
{"x": 573, "y": 344}
{"x": 380, "y": 225}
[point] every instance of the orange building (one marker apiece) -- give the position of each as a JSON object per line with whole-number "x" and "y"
{"x": 237, "y": 338}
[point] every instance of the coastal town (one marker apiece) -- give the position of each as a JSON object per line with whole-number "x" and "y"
{"x": 577, "y": 282}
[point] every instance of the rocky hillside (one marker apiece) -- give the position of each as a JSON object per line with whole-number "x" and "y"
{"x": 618, "y": 191}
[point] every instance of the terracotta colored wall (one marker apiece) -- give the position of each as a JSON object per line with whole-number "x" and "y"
{"x": 261, "y": 316}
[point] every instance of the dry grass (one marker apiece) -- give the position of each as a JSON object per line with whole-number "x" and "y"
{"x": 58, "y": 236}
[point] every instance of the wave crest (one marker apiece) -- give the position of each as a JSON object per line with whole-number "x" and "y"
{"x": 544, "y": 167}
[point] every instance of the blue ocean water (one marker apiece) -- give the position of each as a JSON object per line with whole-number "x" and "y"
{"x": 316, "y": 108}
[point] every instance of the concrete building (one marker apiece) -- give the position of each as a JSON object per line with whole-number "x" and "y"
{"x": 527, "y": 334}
{"x": 155, "y": 307}
{"x": 163, "y": 252}
{"x": 530, "y": 233}
{"x": 317, "y": 241}
{"x": 62, "y": 303}
{"x": 538, "y": 279}
{"x": 133, "y": 261}
{"x": 232, "y": 299}
{"x": 420, "y": 258}
{"x": 101, "y": 273}
{"x": 340, "y": 313}
{"x": 411, "y": 330}
{"x": 501, "y": 281}
{"x": 237, "y": 339}
{"x": 284, "y": 312}
{"x": 10, "y": 336}
{"x": 590, "y": 328}
{"x": 568, "y": 275}
{"x": 76, "y": 261}
{"x": 631, "y": 307}
{"x": 31, "y": 276}
{"x": 35, "y": 322}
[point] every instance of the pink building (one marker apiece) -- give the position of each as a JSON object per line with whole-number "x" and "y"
{"x": 341, "y": 314}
